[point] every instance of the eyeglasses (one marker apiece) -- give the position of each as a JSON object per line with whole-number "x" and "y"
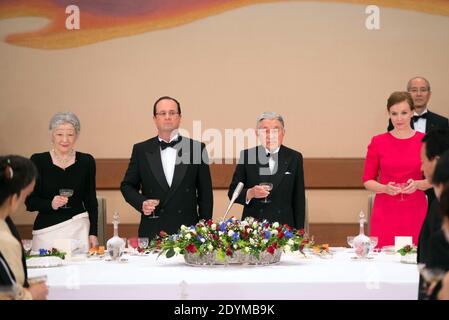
{"x": 164, "y": 113}
{"x": 416, "y": 90}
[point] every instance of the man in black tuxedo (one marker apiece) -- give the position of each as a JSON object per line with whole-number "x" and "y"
{"x": 168, "y": 179}
{"x": 423, "y": 119}
{"x": 272, "y": 163}
{"x": 435, "y": 143}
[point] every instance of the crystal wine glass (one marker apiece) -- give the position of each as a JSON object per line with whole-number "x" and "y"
{"x": 268, "y": 186}
{"x": 66, "y": 193}
{"x": 374, "y": 242}
{"x": 133, "y": 243}
{"x": 27, "y": 245}
{"x": 154, "y": 202}
{"x": 143, "y": 242}
{"x": 350, "y": 241}
{"x": 402, "y": 186}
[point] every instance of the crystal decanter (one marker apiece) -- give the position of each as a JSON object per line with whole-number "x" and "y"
{"x": 362, "y": 243}
{"x": 115, "y": 245}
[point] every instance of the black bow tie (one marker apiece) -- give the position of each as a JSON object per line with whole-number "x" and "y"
{"x": 422, "y": 116}
{"x": 171, "y": 144}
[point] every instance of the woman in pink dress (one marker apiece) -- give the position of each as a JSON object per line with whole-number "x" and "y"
{"x": 393, "y": 172}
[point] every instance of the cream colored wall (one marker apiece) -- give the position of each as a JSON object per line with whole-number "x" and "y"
{"x": 325, "y": 206}
{"x": 316, "y": 63}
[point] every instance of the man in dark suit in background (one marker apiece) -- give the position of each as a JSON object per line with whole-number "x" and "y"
{"x": 423, "y": 119}
{"x": 168, "y": 179}
{"x": 435, "y": 143}
{"x": 271, "y": 162}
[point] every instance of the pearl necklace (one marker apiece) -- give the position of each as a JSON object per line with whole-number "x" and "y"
{"x": 66, "y": 160}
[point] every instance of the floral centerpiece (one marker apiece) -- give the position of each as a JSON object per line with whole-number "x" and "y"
{"x": 237, "y": 241}
{"x": 47, "y": 253}
{"x": 408, "y": 254}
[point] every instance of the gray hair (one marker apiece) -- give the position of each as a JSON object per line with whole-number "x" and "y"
{"x": 270, "y": 116}
{"x": 409, "y": 83}
{"x": 65, "y": 117}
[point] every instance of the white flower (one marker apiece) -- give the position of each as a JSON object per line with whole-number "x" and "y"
{"x": 204, "y": 229}
{"x": 290, "y": 242}
{"x": 254, "y": 225}
{"x": 188, "y": 236}
{"x": 246, "y": 249}
{"x": 183, "y": 227}
{"x": 235, "y": 246}
{"x": 177, "y": 250}
{"x": 264, "y": 241}
{"x": 275, "y": 232}
{"x": 251, "y": 240}
{"x": 244, "y": 223}
{"x": 276, "y": 225}
{"x": 210, "y": 247}
{"x": 203, "y": 240}
{"x": 287, "y": 248}
{"x": 213, "y": 226}
{"x": 230, "y": 233}
{"x": 255, "y": 232}
{"x": 220, "y": 233}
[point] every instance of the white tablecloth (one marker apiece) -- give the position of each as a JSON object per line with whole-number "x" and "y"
{"x": 295, "y": 277}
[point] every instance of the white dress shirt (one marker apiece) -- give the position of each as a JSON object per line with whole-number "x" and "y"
{"x": 168, "y": 158}
{"x": 420, "y": 125}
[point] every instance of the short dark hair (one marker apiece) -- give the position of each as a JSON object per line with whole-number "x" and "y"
{"x": 441, "y": 173}
{"x": 437, "y": 142}
{"x": 166, "y": 98}
{"x": 16, "y": 173}
{"x": 399, "y": 96}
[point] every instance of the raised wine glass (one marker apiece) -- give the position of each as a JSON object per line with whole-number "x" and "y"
{"x": 66, "y": 193}
{"x": 154, "y": 202}
{"x": 268, "y": 186}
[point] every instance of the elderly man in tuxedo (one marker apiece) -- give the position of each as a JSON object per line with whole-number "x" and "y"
{"x": 168, "y": 179}
{"x": 423, "y": 119}
{"x": 272, "y": 175}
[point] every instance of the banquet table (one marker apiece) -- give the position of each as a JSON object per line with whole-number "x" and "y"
{"x": 295, "y": 277}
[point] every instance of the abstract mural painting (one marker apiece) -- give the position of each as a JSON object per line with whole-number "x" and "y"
{"x": 102, "y": 20}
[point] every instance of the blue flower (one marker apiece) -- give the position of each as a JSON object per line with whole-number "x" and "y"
{"x": 199, "y": 238}
{"x": 229, "y": 220}
{"x": 42, "y": 252}
{"x": 192, "y": 227}
{"x": 267, "y": 234}
{"x": 223, "y": 227}
{"x": 288, "y": 234}
{"x": 235, "y": 237}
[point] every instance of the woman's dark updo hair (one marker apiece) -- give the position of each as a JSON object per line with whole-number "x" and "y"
{"x": 16, "y": 173}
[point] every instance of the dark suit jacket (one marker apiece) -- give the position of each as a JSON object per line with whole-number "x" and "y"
{"x": 433, "y": 121}
{"x": 189, "y": 198}
{"x": 287, "y": 204}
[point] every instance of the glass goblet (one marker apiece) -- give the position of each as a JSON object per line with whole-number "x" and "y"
{"x": 154, "y": 202}
{"x": 66, "y": 193}
{"x": 143, "y": 243}
{"x": 268, "y": 186}
{"x": 27, "y": 245}
{"x": 350, "y": 241}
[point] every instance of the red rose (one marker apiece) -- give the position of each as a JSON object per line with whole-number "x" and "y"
{"x": 191, "y": 248}
{"x": 270, "y": 250}
{"x": 158, "y": 244}
{"x": 162, "y": 234}
{"x": 209, "y": 222}
{"x": 281, "y": 235}
{"x": 301, "y": 232}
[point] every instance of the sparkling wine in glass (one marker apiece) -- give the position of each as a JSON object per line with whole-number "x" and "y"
{"x": 66, "y": 193}
{"x": 268, "y": 186}
{"x": 154, "y": 202}
{"x": 374, "y": 242}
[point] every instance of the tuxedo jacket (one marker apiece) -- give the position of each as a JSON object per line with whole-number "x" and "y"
{"x": 287, "y": 197}
{"x": 189, "y": 198}
{"x": 433, "y": 121}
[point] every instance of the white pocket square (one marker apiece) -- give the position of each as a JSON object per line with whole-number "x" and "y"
{"x": 287, "y": 172}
